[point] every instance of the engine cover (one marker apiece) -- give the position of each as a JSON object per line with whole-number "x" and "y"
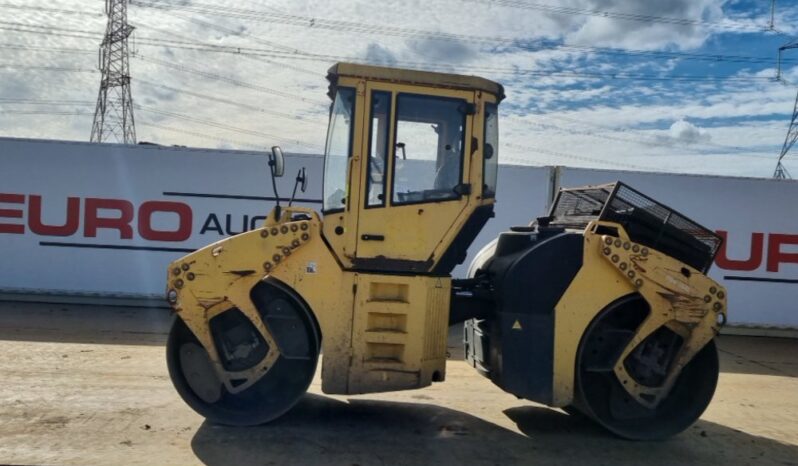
{"x": 529, "y": 269}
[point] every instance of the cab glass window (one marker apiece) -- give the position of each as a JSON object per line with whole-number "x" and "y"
{"x": 378, "y": 147}
{"x": 428, "y": 153}
{"x": 338, "y": 149}
{"x": 490, "y": 150}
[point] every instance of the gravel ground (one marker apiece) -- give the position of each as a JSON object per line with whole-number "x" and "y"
{"x": 88, "y": 385}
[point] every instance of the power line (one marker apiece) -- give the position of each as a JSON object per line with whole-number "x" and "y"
{"x": 252, "y": 51}
{"x": 564, "y": 10}
{"x": 341, "y": 26}
{"x": 225, "y": 126}
{"x": 202, "y": 135}
{"x": 222, "y": 100}
{"x": 180, "y": 116}
{"x": 227, "y": 79}
{"x": 51, "y": 10}
{"x": 47, "y": 29}
{"x": 43, "y": 112}
{"x": 44, "y": 102}
{"x": 219, "y": 27}
{"x": 620, "y": 75}
{"x": 580, "y": 158}
{"x": 62, "y": 69}
{"x": 556, "y": 9}
{"x": 646, "y": 139}
{"x": 30, "y": 48}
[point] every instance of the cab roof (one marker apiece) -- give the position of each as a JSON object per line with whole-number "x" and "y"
{"x": 405, "y": 76}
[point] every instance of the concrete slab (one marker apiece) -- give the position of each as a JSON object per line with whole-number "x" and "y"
{"x": 88, "y": 385}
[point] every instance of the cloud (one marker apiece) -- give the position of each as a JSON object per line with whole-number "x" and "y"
{"x": 647, "y": 34}
{"x": 686, "y": 132}
{"x": 438, "y": 50}
{"x": 680, "y": 117}
{"x": 154, "y": 96}
{"x": 377, "y": 54}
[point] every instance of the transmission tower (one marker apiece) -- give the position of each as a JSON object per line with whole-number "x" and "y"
{"x": 792, "y": 136}
{"x": 792, "y": 132}
{"x": 113, "y": 117}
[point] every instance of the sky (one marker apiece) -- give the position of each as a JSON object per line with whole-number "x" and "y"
{"x": 685, "y": 86}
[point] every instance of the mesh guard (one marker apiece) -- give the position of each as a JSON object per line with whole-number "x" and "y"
{"x": 645, "y": 220}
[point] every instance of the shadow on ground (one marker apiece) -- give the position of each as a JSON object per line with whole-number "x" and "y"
{"x": 74, "y": 323}
{"x": 758, "y": 355}
{"x": 321, "y": 430}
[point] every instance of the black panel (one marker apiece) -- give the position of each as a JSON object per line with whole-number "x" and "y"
{"x": 456, "y": 253}
{"x": 386, "y": 265}
{"x": 526, "y": 345}
{"x": 477, "y": 345}
{"x": 530, "y": 273}
{"x": 533, "y": 280}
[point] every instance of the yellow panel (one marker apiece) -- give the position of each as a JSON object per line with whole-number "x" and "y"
{"x": 595, "y": 286}
{"x": 679, "y": 296}
{"x": 384, "y": 352}
{"x": 439, "y": 80}
{"x": 420, "y": 232}
{"x": 398, "y": 343}
{"x": 417, "y": 233}
{"x": 379, "y": 291}
{"x": 436, "y": 327}
{"x": 386, "y": 322}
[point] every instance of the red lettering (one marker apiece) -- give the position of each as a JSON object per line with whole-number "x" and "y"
{"x": 184, "y": 215}
{"x": 776, "y": 256}
{"x": 122, "y": 223}
{"x": 12, "y": 213}
{"x": 70, "y": 225}
{"x": 754, "y": 257}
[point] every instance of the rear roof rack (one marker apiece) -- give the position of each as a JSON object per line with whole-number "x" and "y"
{"x": 647, "y": 221}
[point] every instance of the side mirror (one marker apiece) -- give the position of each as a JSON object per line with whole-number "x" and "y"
{"x": 302, "y": 179}
{"x": 277, "y": 161}
{"x": 301, "y": 182}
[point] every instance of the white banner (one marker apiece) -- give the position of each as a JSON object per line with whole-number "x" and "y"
{"x": 79, "y": 218}
{"x": 107, "y": 219}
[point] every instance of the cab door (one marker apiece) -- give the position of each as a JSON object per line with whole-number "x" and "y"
{"x": 414, "y": 176}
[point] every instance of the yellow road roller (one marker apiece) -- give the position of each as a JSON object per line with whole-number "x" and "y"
{"x": 603, "y": 306}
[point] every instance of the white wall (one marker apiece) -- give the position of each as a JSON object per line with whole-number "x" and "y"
{"x": 134, "y": 174}
{"x": 232, "y": 185}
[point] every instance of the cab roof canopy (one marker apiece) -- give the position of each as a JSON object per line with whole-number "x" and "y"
{"x": 404, "y": 76}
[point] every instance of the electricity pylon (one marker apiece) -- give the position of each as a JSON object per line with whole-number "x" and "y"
{"x": 113, "y": 116}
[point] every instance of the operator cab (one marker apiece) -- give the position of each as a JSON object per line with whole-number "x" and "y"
{"x": 410, "y": 167}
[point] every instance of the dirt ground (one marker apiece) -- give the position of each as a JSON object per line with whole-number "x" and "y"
{"x": 88, "y": 385}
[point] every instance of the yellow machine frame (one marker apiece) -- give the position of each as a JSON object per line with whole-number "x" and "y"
{"x": 679, "y": 296}
{"x": 382, "y": 307}
{"x": 380, "y": 331}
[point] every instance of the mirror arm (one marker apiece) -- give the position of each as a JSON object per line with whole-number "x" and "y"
{"x": 300, "y": 178}
{"x": 277, "y": 208}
